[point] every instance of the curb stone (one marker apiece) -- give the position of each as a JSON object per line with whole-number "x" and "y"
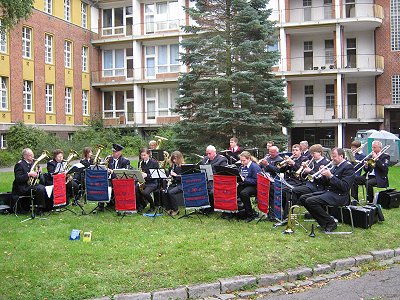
{"x": 236, "y": 283}
{"x": 137, "y": 296}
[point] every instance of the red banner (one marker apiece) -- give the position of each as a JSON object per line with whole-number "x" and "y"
{"x": 124, "y": 192}
{"x": 225, "y": 193}
{"x": 262, "y": 193}
{"x": 60, "y": 190}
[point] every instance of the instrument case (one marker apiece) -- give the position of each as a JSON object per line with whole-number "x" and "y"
{"x": 389, "y": 198}
{"x": 363, "y": 217}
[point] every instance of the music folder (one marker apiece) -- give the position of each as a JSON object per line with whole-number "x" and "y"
{"x": 157, "y": 154}
{"x": 190, "y": 169}
{"x": 157, "y": 174}
{"x": 220, "y": 170}
{"x": 121, "y": 173}
{"x": 78, "y": 167}
{"x": 208, "y": 170}
{"x": 137, "y": 175}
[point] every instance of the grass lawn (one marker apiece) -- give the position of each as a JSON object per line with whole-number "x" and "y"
{"x": 142, "y": 254}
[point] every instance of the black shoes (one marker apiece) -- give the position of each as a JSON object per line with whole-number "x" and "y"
{"x": 331, "y": 227}
{"x": 252, "y": 216}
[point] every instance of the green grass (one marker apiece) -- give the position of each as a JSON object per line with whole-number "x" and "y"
{"x": 141, "y": 254}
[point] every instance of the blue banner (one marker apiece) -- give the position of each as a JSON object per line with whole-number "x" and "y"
{"x": 195, "y": 190}
{"x": 278, "y": 198}
{"x": 97, "y": 185}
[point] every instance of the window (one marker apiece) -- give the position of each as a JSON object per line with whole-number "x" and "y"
{"x": 396, "y": 89}
{"x": 3, "y": 93}
{"x": 330, "y": 96}
{"x": 352, "y": 100}
{"x": 307, "y": 9}
{"x": 48, "y": 6}
{"x": 329, "y": 53}
{"x": 49, "y": 98}
{"x": 68, "y": 101}
{"x": 309, "y": 97}
{"x": 113, "y": 62}
{"x": 351, "y": 53}
{"x": 27, "y": 94}
{"x": 26, "y": 42}
{"x": 129, "y": 63}
{"x": 48, "y": 49}
{"x": 113, "y": 21}
{"x": 67, "y": 54}
{"x": 328, "y": 9}
{"x": 114, "y": 104}
{"x": 395, "y": 24}
{"x": 159, "y": 102}
{"x": 67, "y": 10}
{"x": 129, "y": 20}
{"x": 308, "y": 55}
{"x": 350, "y": 8}
{"x": 3, "y": 141}
{"x": 85, "y": 51}
{"x": 161, "y": 16}
{"x": 3, "y": 41}
{"x": 84, "y": 16}
{"x": 85, "y": 102}
{"x": 167, "y": 57}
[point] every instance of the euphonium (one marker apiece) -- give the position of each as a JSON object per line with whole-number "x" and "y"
{"x": 32, "y": 181}
{"x": 96, "y": 159}
{"x": 291, "y": 219}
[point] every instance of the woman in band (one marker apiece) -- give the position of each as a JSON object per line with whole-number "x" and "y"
{"x": 175, "y": 187}
{"x": 87, "y": 159}
{"x": 248, "y": 187}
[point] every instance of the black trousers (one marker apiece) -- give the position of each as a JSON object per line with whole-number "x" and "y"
{"x": 172, "y": 197}
{"x": 146, "y": 193}
{"x": 298, "y": 191}
{"x": 316, "y": 206}
{"x": 244, "y": 193}
{"x": 369, "y": 183}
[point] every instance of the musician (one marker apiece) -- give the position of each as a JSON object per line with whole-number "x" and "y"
{"x": 359, "y": 156}
{"x": 87, "y": 159}
{"x": 291, "y": 165}
{"x": 248, "y": 187}
{"x": 175, "y": 187}
{"x": 234, "y": 150}
{"x": 152, "y": 145}
{"x": 22, "y": 173}
{"x": 59, "y": 165}
{"x": 213, "y": 159}
{"x": 151, "y": 184}
{"x": 304, "y": 150}
{"x": 374, "y": 175}
{"x": 337, "y": 182}
{"x": 310, "y": 168}
{"x": 117, "y": 160}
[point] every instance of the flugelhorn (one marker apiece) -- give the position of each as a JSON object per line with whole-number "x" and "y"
{"x": 32, "y": 181}
{"x": 291, "y": 219}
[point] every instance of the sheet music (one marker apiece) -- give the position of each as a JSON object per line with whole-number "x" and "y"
{"x": 208, "y": 170}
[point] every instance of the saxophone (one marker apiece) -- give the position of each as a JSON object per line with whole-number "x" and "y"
{"x": 32, "y": 181}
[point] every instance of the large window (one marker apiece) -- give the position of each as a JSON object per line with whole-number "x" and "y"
{"x": 3, "y": 93}
{"x": 352, "y": 100}
{"x": 307, "y": 4}
{"x": 67, "y": 54}
{"x": 67, "y": 10}
{"x": 85, "y": 102}
{"x": 351, "y": 53}
{"x": 159, "y": 102}
{"x": 309, "y": 97}
{"x": 26, "y": 42}
{"x": 48, "y": 6}
{"x": 85, "y": 52}
{"x": 48, "y": 49}
{"x": 166, "y": 56}
{"x": 161, "y": 16}
{"x": 84, "y": 14}
{"x": 328, "y": 9}
{"x": 27, "y": 95}
{"x": 3, "y": 41}
{"x": 350, "y": 8}
{"x": 308, "y": 55}
{"x": 329, "y": 53}
{"x": 396, "y": 89}
{"x": 330, "y": 96}
{"x": 114, "y": 104}
{"x": 113, "y": 62}
{"x": 395, "y": 24}
{"x": 113, "y": 21}
{"x": 68, "y": 101}
{"x": 49, "y": 98}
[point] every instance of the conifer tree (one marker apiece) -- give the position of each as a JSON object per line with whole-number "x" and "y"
{"x": 12, "y": 11}
{"x": 229, "y": 89}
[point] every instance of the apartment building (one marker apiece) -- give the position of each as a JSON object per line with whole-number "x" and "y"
{"x": 45, "y": 67}
{"x": 340, "y": 63}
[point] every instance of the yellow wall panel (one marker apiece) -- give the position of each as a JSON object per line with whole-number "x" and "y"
{"x": 28, "y": 69}
{"x": 69, "y": 77}
{"x": 39, "y": 5}
{"x": 86, "y": 120}
{"x": 69, "y": 120}
{"x": 29, "y": 118}
{"x": 85, "y": 81}
{"x": 5, "y": 117}
{"x": 50, "y": 74}
{"x": 58, "y": 9}
{"x": 4, "y": 65}
{"x": 50, "y": 118}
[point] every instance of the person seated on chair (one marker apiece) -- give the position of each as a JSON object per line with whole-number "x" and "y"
{"x": 117, "y": 161}
{"x": 214, "y": 159}
{"x": 175, "y": 187}
{"x": 150, "y": 185}
{"x": 310, "y": 168}
{"x": 24, "y": 182}
{"x": 58, "y": 165}
{"x": 376, "y": 172}
{"x": 248, "y": 187}
{"x": 337, "y": 181}
{"x": 87, "y": 161}
{"x": 359, "y": 156}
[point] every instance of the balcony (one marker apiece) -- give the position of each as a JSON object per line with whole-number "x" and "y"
{"x": 353, "y": 65}
{"x": 361, "y": 113}
{"x": 369, "y": 15}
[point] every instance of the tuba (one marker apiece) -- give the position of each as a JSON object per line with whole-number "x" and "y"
{"x": 32, "y": 181}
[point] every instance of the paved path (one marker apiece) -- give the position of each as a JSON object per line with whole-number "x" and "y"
{"x": 381, "y": 284}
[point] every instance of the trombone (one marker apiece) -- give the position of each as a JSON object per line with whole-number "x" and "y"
{"x": 371, "y": 161}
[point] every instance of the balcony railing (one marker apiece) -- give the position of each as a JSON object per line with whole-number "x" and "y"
{"x": 322, "y": 63}
{"x": 326, "y": 12}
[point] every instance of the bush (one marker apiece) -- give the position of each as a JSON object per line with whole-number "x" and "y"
{"x": 9, "y": 157}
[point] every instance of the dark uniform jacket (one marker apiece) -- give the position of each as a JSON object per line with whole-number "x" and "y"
{"x": 122, "y": 163}
{"x": 272, "y": 169}
{"x": 145, "y": 167}
{"x": 381, "y": 170}
{"x": 218, "y": 160}
{"x": 20, "y": 184}
{"x": 316, "y": 185}
{"x": 290, "y": 171}
{"x": 178, "y": 170}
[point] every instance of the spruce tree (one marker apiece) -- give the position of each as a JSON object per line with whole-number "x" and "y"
{"x": 229, "y": 89}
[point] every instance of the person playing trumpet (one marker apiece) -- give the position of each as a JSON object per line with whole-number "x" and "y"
{"x": 376, "y": 174}
{"x": 336, "y": 181}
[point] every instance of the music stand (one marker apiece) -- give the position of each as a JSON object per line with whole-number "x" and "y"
{"x": 124, "y": 173}
{"x": 190, "y": 169}
{"x": 208, "y": 170}
{"x": 157, "y": 154}
{"x": 76, "y": 168}
{"x": 220, "y": 170}
{"x": 229, "y": 155}
{"x": 158, "y": 174}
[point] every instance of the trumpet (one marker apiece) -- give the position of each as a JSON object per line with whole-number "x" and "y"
{"x": 32, "y": 181}
{"x": 266, "y": 157}
{"x": 319, "y": 173}
{"x": 304, "y": 165}
{"x": 284, "y": 163}
{"x": 371, "y": 162}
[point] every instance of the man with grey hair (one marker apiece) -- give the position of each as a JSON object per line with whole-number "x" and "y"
{"x": 375, "y": 175}
{"x": 304, "y": 150}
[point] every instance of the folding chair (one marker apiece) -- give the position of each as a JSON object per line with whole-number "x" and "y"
{"x": 342, "y": 217}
